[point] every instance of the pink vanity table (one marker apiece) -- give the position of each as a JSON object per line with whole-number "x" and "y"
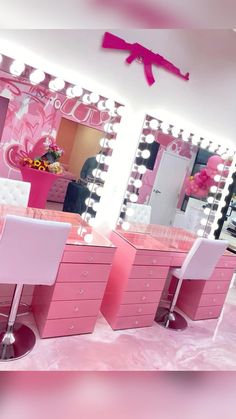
{"x": 72, "y": 305}
{"x": 140, "y": 270}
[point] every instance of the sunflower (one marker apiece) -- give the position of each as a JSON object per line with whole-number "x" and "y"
{"x": 41, "y": 168}
{"x": 37, "y": 163}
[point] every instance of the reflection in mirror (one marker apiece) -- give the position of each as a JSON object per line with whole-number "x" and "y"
{"x": 57, "y": 135}
{"x": 178, "y": 179}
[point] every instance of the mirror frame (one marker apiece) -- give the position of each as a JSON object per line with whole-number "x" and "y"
{"x": 217, "y": 196}
{"x": 114, "y": 109}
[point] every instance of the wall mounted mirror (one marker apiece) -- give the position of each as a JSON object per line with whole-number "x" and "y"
{"x": 38, "y": 109}
{"x": 178, "y": 179}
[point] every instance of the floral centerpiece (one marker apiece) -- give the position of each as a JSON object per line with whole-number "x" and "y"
{"x": 48, "y": 161}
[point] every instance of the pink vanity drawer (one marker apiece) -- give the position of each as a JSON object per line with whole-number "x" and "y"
{"x": 145, "y": 284}
{"x": 219, "y": 287}
{"x": 149, "y": 272}
{"x": 67, "y": 327}
{"x": 222, "y": 274}
{"x": 137, "y": 309}
{"x": 141, "y": 297}
{"x": 207, "y": 313}
{"x": 68, "y": 309}
{"x": 212, "y": 300}
{"x": 152, "y": 258}
{"x": 76, "y": 272}
{"x": 227, "y": 263}
{"x": 87, "y": 257}
{"x": 178, "y": 260}
{"x": 82, "y": 291}
{"x": 133, "y": 322}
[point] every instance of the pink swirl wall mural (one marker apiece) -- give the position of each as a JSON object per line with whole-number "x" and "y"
{"x": 34, "y": 113}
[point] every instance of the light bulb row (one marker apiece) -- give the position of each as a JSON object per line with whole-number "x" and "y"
{"x": 185, "y": 135}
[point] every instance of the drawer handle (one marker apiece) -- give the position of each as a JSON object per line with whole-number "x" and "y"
{"x": 81, "y": 291}
{"x": 143, "y": 297}
{"x": 218, "y": 287}
{"x": 72, "y": 327}
{"x": 85, "y": 273}
{"x": 210, "y": 313}
{"x": 154, "y": 261}
{"x": 147, "y": 285}
{"x": 140, "y": 310}
{"x": 226, "y": 264}
{"x": 136, "y": 322}
{"x": 222, "y": 274}
{"x": 76, "y": 309}
{"x": 214, "y": 300}
{"x": 91, "y": 258}
{"x": 150, "y": 272}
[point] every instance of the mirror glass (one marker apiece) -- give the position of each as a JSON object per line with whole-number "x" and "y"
{"x": 56, "y": 128}
{"x": 174, "y": 180}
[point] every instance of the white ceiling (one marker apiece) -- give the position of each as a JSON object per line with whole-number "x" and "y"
{"x": 207, "y": 100}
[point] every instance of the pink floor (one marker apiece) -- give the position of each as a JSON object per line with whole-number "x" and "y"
{"x": 205, "y": 345}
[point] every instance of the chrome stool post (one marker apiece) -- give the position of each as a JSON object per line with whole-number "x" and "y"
{"x": 16, "y": 339}
{"x": 167, "y": 317}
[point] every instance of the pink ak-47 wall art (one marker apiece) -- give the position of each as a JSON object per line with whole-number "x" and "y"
{"x": 143, "y": 55}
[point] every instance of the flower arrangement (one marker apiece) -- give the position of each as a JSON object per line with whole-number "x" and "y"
{"x": 48, "y": 161}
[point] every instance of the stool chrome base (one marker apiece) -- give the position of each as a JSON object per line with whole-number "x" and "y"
{"x": 173, "y": 321}
{"x": 15, "y": 341}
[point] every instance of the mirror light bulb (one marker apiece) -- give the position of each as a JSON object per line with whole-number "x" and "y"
{"x": 89, "y": 202}
{"x": 116, "y": 127}
{"x": 111, "y": 144}
{"x": 100, "y": 158}
{"x": 17, "y": 68}
{"x": 130, "y": 211}
{"x": 149, "y": 139}
{"x": 141, "y": 169}
{"x": 94, "y": 97}
{"x": 220, "y": 167}
{"x": 110, "y": 104}
{"x": 98, "y": 190}
{"x": 88, "y": 238}
{"x": 200, "y": 232}
{"x": 210, "y": 199}
{"x": 101, "y": 105}
{"x": 203, "y": 221}
{"x": 120, "y": 110}
{"x": 125, "y": 225}
{"x": 37, "y": 76}
{"x": 92, "y": 221}
{"x": 56, "y": 84}
{"x": 153, "y": 124}
{"x": 204, "y": 143}
{"x": 108, "y": 127}
{"x": 133, "y": 197}
{"x": 86, "y": 99}
{"x": 95, "y": 206}
{"x": 213, "y": 189}
{"x": 207, "y": 211}
{"x": 138, "y": 183}
{"x": 77, "y": 91}
{"x": 145, "y": 154}
{"x": 104, "y": 142}
{"x": 86, "y": 216}
{"x": 217, "y": 178}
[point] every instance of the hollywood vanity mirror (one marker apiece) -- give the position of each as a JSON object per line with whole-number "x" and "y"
{"x": 38, "y": 109}
{"x": 178, "y": 179}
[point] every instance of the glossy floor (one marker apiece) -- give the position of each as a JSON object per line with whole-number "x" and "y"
{"x": 205, "y": 345}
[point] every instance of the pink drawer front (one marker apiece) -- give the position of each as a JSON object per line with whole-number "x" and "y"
{"x": 152, "y": 258}
{"x": 219, "y": 287}
{"x": 178, "y": 260}
{"x": 145, "y": 284}
{"x": 68, "y": 309}
{"x": 133, "y": 322}
{"x": 67, "y": 327}
{"x": 222, "y": 275}
{"x": 149, "y": 272}
{"x": 76, "y": 272}
{"x": 87, "y": 256}
{"x": 227, "y": 262}
{"x": 81, "y": 291}
{"x": 137, "y": 309}
{"x": 207, "y": 313}
{"x": 141, "y": 297}
{"x": 212, "y": 300}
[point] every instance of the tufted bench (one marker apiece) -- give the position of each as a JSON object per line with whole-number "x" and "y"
{"x": 58, "y": 190}
{"x": 141, "y": 213}
{"x": 14, "y": 192}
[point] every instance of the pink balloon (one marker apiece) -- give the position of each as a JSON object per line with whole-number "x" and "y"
{"x": 214, "y": 161}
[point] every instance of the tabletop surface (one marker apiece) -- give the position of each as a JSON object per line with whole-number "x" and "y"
{"x": 78, "y": 224}
{"x": 159, "y": 238}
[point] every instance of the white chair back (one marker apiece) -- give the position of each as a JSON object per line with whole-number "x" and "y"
{"x": 14, "y": 192}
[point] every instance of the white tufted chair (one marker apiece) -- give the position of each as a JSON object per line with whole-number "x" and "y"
{"x": 14, "y": 192}
{"x": 141, "y": 213}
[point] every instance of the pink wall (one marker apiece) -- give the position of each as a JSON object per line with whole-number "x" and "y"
{"x": 34, "y": 112}
{"x": 3, "y": 112}
{"x": 170, "y": 144}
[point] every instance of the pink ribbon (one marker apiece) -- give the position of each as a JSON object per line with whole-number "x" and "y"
{"x": 138, "y": 52}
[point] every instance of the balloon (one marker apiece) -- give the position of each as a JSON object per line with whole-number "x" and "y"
{"x": 214, "y": 161}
